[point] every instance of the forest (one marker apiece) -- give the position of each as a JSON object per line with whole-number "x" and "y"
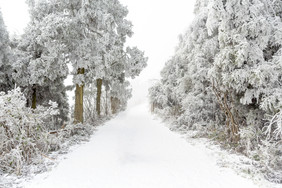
{"x": 79, "y": 38}
{"x": 225, "y": 80}
{"x": 223, "y": 83}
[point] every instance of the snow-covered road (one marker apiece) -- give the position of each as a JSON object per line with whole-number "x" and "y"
{"x": 136, "y": 151}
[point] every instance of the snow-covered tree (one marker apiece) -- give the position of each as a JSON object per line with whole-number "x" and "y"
{"x": 125, "y": 64}
{"x": 247, "y": 69}
{"x": 184, "y": 77}
{"x": 93, "y": 34}
{"x": 230, "y": 55}
{"x": 157, "y": 97}
{"x": 116, "y": 61}
{"x": 106, "y": 27}
{"x": 40, "y": 67}
{"x": 227, "y": 70}
{"x": 6, "y": 82}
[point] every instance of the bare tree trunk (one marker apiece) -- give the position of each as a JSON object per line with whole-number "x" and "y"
{"x": 231, "y": 122}
{"x": 33, "y": 103}
{"x": 98, "y": 99}
{"x": 106, "y": 110}
{"x": 78, "y": 108}
{"x": 113, "y": 105}
{"x": 153, "y": 107}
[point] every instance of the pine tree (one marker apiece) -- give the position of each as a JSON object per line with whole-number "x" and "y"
{"x": 40, "y": 67}
{"x": 6, "y": 82}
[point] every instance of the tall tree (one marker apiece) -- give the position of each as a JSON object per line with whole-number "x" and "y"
{"x": 40, "y": 67}
{"x": 90, "y": 32}
{"x": 6, "y": 82}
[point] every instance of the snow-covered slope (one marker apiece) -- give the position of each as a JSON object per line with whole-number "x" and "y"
{"x": 136, "y": 150}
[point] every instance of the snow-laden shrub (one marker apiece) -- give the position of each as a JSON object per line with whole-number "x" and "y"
{"x": 69, "y": 135}
{"x": 71, "y": 132}
{"x": 25, "y": 136}
{"x": 270, "y": 159}
{"x": 271, "y": 147}
{"x": 22, "y": 135}
{"x": 273, "y": 128}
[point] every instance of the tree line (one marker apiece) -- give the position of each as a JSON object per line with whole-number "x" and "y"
{"x": 225, "y": 79}
{"x": 88, "y": 36}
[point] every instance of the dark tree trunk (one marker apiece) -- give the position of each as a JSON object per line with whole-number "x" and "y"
{"x": 33, "y": 102}
{"x": 98, "y": 99}
{"x": 78, "y": 108}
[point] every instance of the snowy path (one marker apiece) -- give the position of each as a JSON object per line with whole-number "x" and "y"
{"x": 136, "y": 151}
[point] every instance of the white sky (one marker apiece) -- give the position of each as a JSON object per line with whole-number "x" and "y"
{"x": 15, "y": 15}
{"x": 157, "y": 25}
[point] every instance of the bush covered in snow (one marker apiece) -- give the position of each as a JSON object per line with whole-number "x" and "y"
{"x": 25, "y": 134}
{"x": 22, "y": 130}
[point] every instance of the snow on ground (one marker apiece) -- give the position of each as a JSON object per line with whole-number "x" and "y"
{"x": 135, "y": 150}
